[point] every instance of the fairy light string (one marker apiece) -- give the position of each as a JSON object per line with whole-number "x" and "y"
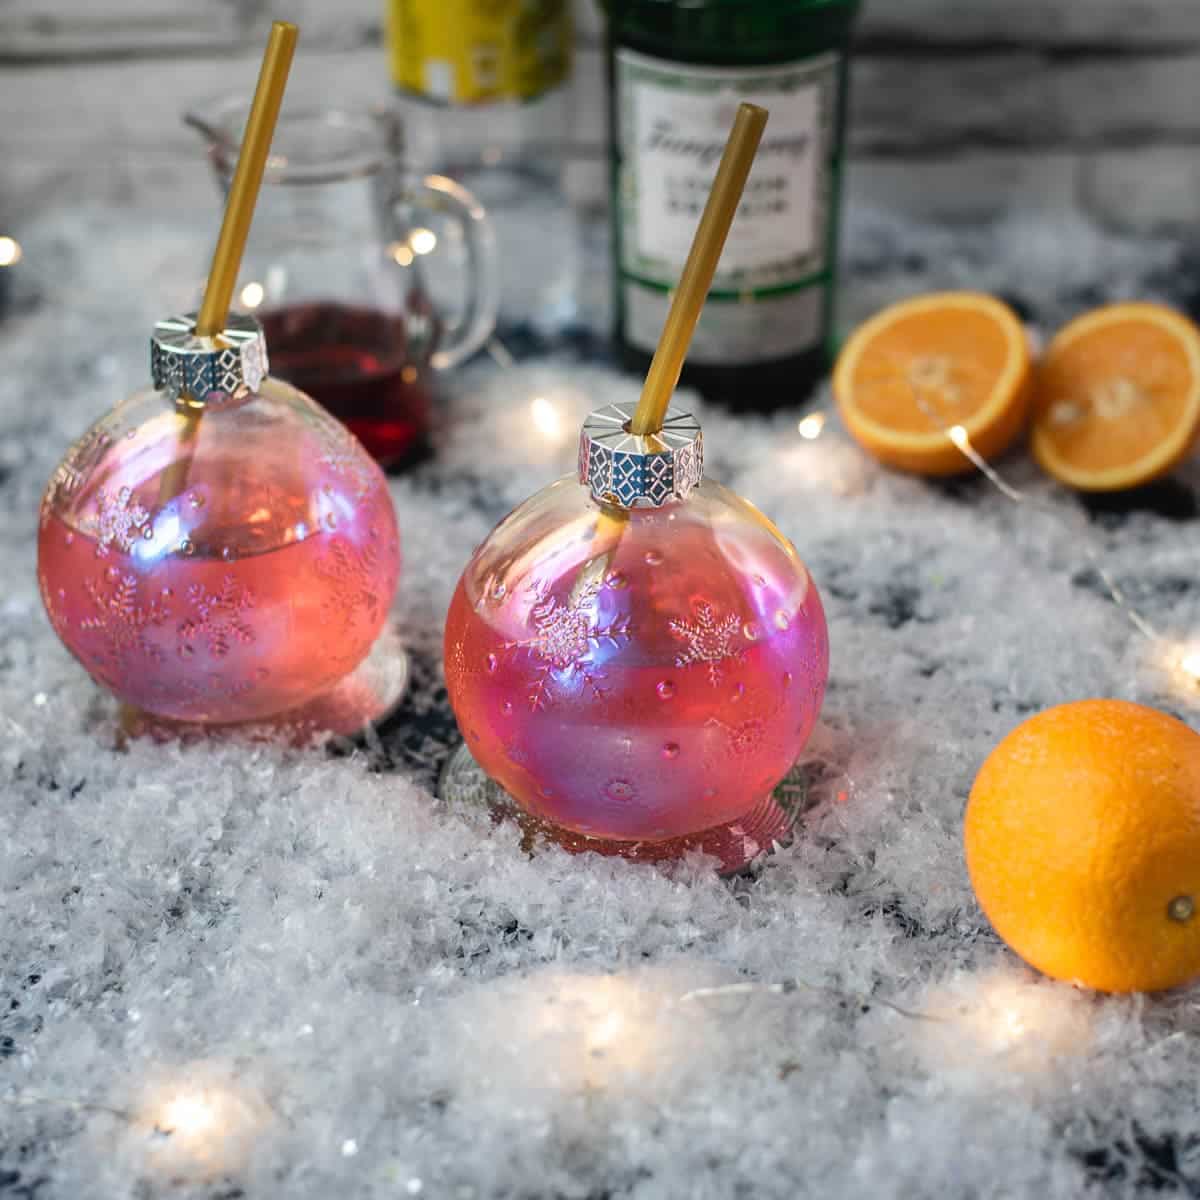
{"x": 962, "y": 440}
{"x": 789, "y": 986}
{"x": 958, "y": 435}
{"x": 814, "y": 424}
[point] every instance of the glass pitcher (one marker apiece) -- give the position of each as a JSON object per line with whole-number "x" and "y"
{"x": 365, "y": 274}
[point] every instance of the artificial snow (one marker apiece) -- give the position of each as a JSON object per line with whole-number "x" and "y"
{"x": 245, "y": 970}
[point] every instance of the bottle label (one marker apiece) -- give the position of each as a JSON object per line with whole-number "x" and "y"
{"x": 768, "y": 297}
{"x": 479, "y": 51}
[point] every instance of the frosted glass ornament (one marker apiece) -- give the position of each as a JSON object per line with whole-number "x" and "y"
{"x": 227, "y": 569}
{"x": 639, "y": 677}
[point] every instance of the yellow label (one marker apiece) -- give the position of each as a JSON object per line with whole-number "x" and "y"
{"x": 475, "y": 51}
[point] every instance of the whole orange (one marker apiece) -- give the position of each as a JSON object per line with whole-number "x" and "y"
{"x": 1082, "y": 837}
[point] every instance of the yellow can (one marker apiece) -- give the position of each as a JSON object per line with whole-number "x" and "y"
{"x": 478, "y": 51}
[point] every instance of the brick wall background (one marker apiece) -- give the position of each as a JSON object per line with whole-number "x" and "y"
{"x": 961, "y": 111}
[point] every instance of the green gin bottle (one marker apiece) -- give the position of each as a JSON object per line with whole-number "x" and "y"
{"x": 677, "y": 70}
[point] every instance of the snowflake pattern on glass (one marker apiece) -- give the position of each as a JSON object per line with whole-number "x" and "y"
{"x": 710, "y": 638}
{"x": 219, "y": 621}
{"x": 352, "y": 572}
{"x": 119, "y": 520}
{"x": 743, "y": 739}
{"x": 345, "y": 458}
{"x": 565, "y": 636}
{"x": 121, "y": 622}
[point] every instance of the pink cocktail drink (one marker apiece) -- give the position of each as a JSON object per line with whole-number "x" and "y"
{"x": 227, "y": 572}
{"x": 636, "y": 677}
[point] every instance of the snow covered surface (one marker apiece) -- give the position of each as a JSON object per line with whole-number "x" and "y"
{"x": 231, "y": 970}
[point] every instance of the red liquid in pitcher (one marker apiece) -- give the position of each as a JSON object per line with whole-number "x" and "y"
{"x": 358, "y": 364}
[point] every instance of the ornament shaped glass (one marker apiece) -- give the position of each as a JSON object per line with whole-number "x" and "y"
{"x": 638, "y": 656}
{"x": 219, "y": 549}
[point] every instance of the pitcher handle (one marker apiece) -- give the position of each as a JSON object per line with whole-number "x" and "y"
{"x": 481, "y": 304}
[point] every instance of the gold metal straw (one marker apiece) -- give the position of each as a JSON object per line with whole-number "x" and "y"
{"x": 247, "y": 179}
{"x": 235, "y": 227}
{"x": 699, "y": 269}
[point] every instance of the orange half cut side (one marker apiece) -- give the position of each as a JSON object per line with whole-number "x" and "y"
{"x": 926, "y": 365}
{"x": 1118, "y": 397}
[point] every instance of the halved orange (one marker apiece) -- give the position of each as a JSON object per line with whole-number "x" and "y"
{"x": 923, "y": 366}
{"x": 1118, "y": 397}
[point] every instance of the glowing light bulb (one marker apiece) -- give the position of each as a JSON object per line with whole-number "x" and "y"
{"x": 1180, "y": 662}
{"x": 188, "y": 1116}
{"x": 202, "y": 1127}
{"x": 422, "y": 241}
{"x": 606, "y": 1030}
{"x": 1022, "y": 1025}
{"x": 401, "y": 254}
{"x": 1013, "y": 1023}
{"x": 812, "y": 425}
{"x": 10, "y": 251}
{"x": 545, "y": 417}
{"x": 252, "y": 295}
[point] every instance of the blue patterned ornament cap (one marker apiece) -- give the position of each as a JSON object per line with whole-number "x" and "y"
{"x": 184, "y": 365}
{"x": 629, "y": 471}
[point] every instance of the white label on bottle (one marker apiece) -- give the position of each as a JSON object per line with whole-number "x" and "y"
{"x": 730, "y": 332}
{"x": 674, "y": 119}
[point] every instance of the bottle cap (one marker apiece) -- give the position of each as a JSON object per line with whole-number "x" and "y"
{"x": 632, "y": 471}
{"x": 183, "y": 364}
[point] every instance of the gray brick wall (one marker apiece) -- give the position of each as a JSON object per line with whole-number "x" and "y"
{"x": 961, "y": 110}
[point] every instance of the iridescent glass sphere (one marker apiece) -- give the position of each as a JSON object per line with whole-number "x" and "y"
{"x": 636, "y": 675}
{"x": 221, "y": 570}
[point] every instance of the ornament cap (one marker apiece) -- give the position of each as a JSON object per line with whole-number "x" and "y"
{"x": 632, "y": 471}
{"x": 188, "y": 366}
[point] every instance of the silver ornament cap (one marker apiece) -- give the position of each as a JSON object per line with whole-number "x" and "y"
{"x": 631, "y": 471}
{"x": 182, "y": 364}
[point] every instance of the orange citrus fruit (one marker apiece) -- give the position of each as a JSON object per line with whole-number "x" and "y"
{"x": 1118, "y": 397}
{"x": 928, "y": 364}
{"x": 1083, "y": 845}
